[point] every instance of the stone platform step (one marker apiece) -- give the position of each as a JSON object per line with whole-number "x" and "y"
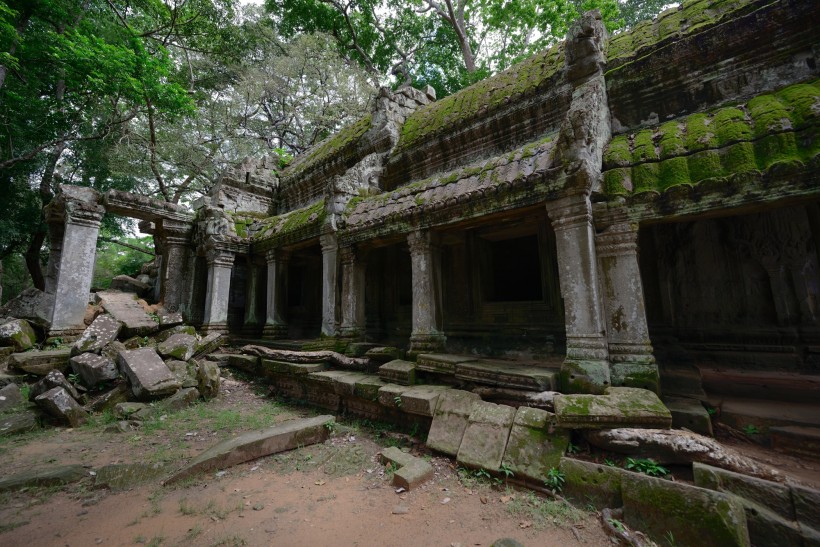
{"x": 491, "y": 372}
{"x": 796, "y": 440}
{"x": 758, "y": 384}
{"x": 124, "y": 308}
{"x": 290, "y": 345}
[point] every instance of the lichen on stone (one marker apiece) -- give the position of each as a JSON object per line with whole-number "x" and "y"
{"x": 331, "y": 146}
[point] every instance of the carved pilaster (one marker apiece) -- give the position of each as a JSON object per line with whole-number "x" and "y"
{"x": 630, "y": 350}
{"x": 276, "y": 322}
{"x": 175, "y": 242}
{"x": 220, "y": 263}
{"x": 426, "y": 335}
{"x": 330, "y": 267}
{"x": 353, "y": 289}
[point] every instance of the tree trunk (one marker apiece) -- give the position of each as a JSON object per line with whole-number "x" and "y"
{"x": 32, "y": 256}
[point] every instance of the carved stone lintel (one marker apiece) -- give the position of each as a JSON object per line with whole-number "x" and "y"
{"x": 220, "y": 258}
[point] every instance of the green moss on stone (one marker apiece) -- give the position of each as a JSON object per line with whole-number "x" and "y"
{"x": 618, "y": 152}
{"x": 769, "y": 114}
{"x": 617, "y": 181}
{"x": 519, "y": 80}
{"x": 670, "y": 140}
{"x": 329, "y": 147}
{"x": 774, "y": 149}
{"x": 314, "y": 214}
{"x": 739, "y": 158}
{"x": 699, "y": 134}
{"x": 730, "y": 126}
{"x": 643, "y": 147}
{"x": 704, "y": 165}
{"x": 673, "y": 172}
{"x": 645, "y": 177}
{"x": 804, "y": 100}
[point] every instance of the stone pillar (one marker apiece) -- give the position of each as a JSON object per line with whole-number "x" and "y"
{"x": 276, "y": 325}
{"x": 630, "y": 350}
{"x": 330, "y": 313}
{"x": 353, "y": 290}
{"x": 252, "y": 320}
{"x": 220, "y": 263}
{"x": 174, "y": 276}
{"x": 71, "y": 271}
{"x": 426, "y": 335}
{"x": 585, "y": 369}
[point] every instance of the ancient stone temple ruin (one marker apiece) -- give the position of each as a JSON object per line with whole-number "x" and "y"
{"x": 620, "y": 207}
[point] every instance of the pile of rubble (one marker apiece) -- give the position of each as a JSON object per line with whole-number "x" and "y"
{"x": 128, "y": 357}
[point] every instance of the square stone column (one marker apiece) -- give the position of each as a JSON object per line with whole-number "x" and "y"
{"x": 330, "y": 267}
{"x": 353, "y": 291}
{"x": 175, "y": 243}
{"x": 630, "y": 351}
{"x": 276, "y": 325}
{"x": 426, "y": 335}
{"x": 71, "y": 270}
{"x": 253, "y": 318}
{"x": 220, "y": 264}
{"x": 586, "y": 367}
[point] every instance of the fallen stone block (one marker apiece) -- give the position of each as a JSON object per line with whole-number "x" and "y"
{"x": 806, "y": 501}
{"x": 124, "y": 308}
{"x": 59, "y": 404}
{"x": 272, "y": 366}
{"x": 18, "y": 334}
{"x": 256, "y": 444}
{"x": 506, "y": 374}
{"x": 208, "y": 343}
{"x": 770, "y": 514}
{"x": 618, "y": 407}
{"x": 40, "y": 363}
{"x": 689, "y": 414}
{"x": 184, "y": 371}
{"x": 183, "y": 398}
{"x": 113, "y": 350}
{"x": 485, "y": 439}
{"x": 129, "y": 410}
{"x": 109, "y": 399}
{"x": 50, "y": 381}
{"x": 450, "y": 420}
{"x": 359, "y": 349}
{"x": 442, "y": 363}
{"x": 51, "y": 476}
{"x": 383, "y": 354}
{"x": 368, "y": 387}
{"x": 19, "y": 422}
{"x": 165, "y": 334}
{"x": 10, "y": 397}
{"x": 421, "y": 400}
{"x": 128, "y": 284}
{"x": 147, "y": 374}
{"x": 101, "y": 332}
{"x": 247, "y": 363}
{"x": 535, "y": 445}
{"x": 398, "y": 372}
{"x": 169, "y": 319}
{"x": 94, "y": 369}
{"x": 411, "y": 471}
{"x": 125, "y": 476}
{"x": 390, "y": 395}
{"x": 693, "y": 515}
{"x": 178, "y": 346}
{"x": 591, "y": 483}
{"x": 208, "y": 379}
{"x": 33, "y": 305}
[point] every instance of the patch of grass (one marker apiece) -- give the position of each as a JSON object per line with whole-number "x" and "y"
{"x": 8, "y": 527}
{"x": 646, "y": 466}
{"x": 544, "y": 512}
{"x": 555, "y": 480}
{"x": 186, "y": 508}
{"x": 156, "y": 541}
{"x": 232, "y": 541}
{"x": 194, "y": 532}
{"x": 102, "y": 419}
{"x": 751, "y": 429}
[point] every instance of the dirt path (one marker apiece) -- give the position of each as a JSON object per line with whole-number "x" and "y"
{"x": 330, "y": 494}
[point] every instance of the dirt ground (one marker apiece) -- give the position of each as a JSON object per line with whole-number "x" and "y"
{"x": 335, "y": 493}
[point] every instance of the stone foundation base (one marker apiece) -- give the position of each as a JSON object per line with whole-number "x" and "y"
{"x": 584, "y": 376}
{"x": 425, "y": 343}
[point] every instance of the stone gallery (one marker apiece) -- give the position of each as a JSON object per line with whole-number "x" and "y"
{"x": 634, "y": 211}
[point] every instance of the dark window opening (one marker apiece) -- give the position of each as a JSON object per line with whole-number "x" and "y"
{"x": 514, "y": 270}
{"x": 295, "y": 279}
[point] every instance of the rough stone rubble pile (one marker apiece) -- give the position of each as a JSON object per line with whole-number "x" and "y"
{"x": 128, "y": 357}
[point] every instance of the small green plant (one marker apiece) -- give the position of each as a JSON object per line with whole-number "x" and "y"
{"x": 73, "y": 377}
{"x": 573, "y": 448}
{"x": 56, "y": 342}
{"x": 506, "y": 471}
{"x": 397, "y": 400}
{"x": 482, "y": 474}
{"x": 618, "y": 525}
{"x": 609, "y": 463}
{"x": 751, "y": 429}
{"x": 555, "y": 479}
{"x": 711, "y": 411}
{"x": 647, "y": 466}
{"x": 670, "y": 538}
{"x": 331, "y": 425}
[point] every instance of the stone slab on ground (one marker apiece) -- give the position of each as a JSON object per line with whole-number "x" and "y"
{"x": 591, "y": 483}
{"x": 124, "y": 308}
{"x": 18, "y": 334}
{"x": 185, "y": 371}
{"x": 59, "y": 404}
{"x": 442, "y": 363}
{"x": 693, "y": 515}
{"x": 535, "y": 445}
{"x": 208, "y": 343}
{"x": 125, "y": 476}
{"x": 384, "y": 354}
{"x": 10, "y": 397}
{"x": 40, "y": 363}
{"x": 49, "y": 476}
{"x": 246, "y": 363}
{"x": 109, "y": 399}
{"x": 770, "y": 514}
{"x": 169, "y": 319}
{"x": 485, "y": 439}
{"x": 94, "y": 369}
{"x": 19, "y": 422}
{"x": 147, "y": 374}
{"x": 208, "y": 379}
{"x": 690, "y": 414}
{"x": 178, "y": 346}
{"x": 798, "y": 440}
{"x": 183, "y": 398}
{"x": 506, "y": 374}
{"x": 101, "y": 332}
{"x": 398, "y": 372}
{"x": 421, "y": 399}
{"x": 411, "y": 472}
{"x": 166, "y": 333}
{"x": 256, "y": 444}
{"x": 450, "y": 420}
{"x": 617, "y": 407}
{"x": 49, "y": 381}
{"x": 283, "y": 367}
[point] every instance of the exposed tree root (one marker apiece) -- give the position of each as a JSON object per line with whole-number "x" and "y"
{"x": 669, "y": 446}
{"x": 337, "y": 359}
{"x": 517, "y": 397}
